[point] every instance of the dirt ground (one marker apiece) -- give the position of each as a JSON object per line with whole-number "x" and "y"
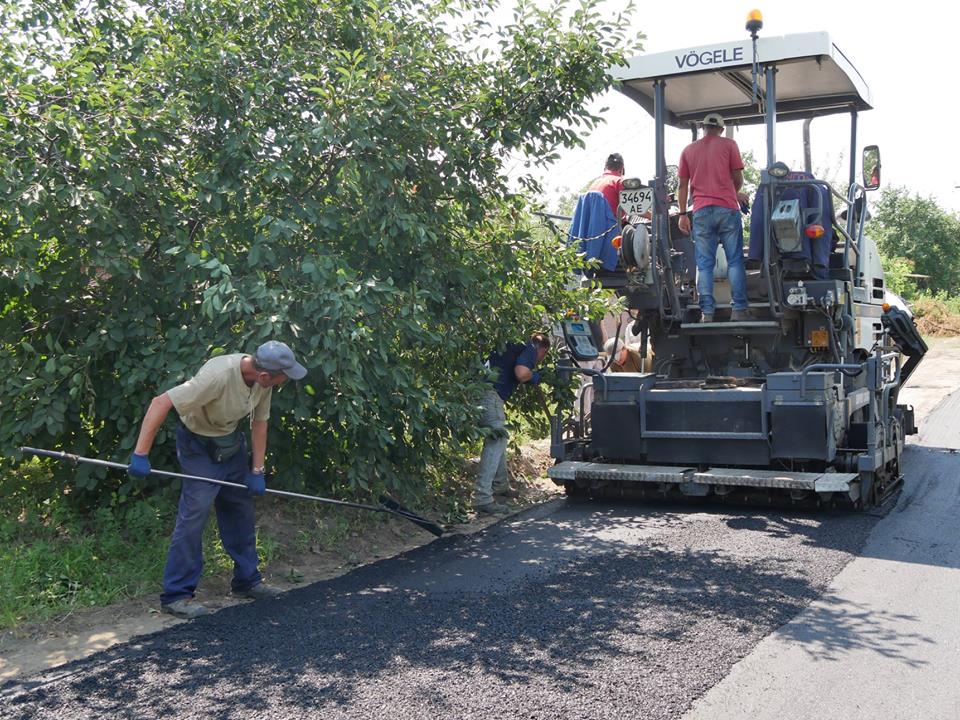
{"x": 29, "y": 649}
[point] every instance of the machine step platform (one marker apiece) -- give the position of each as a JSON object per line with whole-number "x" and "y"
{"x": 725, "y": 327}
{"x": 573, "y": 470}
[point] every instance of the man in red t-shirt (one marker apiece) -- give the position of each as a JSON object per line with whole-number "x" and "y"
{"x": 712, "y": 169}
{"x": 611, "y": 182}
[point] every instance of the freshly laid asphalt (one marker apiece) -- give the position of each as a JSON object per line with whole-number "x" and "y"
{"x": 594, "y": 610}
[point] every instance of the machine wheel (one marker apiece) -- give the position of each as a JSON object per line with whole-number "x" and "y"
{"x": 887, "y": 480}
{"x": 887, "y": 483}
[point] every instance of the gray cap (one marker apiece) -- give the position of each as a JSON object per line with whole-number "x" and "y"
{"x": 713, "y": 120}
{"x": 276, "y": 356}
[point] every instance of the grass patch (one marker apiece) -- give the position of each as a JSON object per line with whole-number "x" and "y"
{"x": 57, "y": 557}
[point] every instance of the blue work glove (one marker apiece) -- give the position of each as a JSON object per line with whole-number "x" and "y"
{"x": 256, "y": 483}
{"x": 535, "y": 378}
{"x": 139, "y": 466}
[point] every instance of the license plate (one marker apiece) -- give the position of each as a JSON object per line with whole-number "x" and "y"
{"x": 637, "y": 201}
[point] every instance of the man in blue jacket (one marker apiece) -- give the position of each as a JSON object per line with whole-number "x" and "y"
{"x": 516, "y": 364}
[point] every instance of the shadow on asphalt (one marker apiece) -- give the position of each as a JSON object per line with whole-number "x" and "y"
{"x": 837, "y": 627}
{"x": 547, "y": 597}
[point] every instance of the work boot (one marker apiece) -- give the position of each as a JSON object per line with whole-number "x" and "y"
{"x": 184, "y": 608}
{"x": 491, "y": 508}
{"x": 706, "y": 317}
{"x": 739, "y": 316}
{"x": 260, "y": 591}
{"x": 507, "y": 492}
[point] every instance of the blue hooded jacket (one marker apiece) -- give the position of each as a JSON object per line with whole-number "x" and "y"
{"x": 594, "y": 227}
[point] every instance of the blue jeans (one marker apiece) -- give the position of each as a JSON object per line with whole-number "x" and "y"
{"x": 714, "y": 226}
{"x": 492, "y": 473}
{"x": 235, "y": 519}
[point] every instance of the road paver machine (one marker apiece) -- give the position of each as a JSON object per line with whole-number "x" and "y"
{"x": 799, "y": 402}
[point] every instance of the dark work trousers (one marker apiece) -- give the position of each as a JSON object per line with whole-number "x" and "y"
{"x": 235, "y": 518}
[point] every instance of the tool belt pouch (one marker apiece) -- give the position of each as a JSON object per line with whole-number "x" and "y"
{"x": 223, "y": 448}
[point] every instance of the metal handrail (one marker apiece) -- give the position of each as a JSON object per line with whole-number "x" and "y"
{"x": 850, "y": 241}
{"x": 856, "y": 190}
{"x": 767, "y": 199}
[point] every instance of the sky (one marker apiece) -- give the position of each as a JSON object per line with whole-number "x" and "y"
{"x": 904, "y": 52}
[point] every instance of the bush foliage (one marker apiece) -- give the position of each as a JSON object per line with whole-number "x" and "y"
{"x": 186, "y": 178}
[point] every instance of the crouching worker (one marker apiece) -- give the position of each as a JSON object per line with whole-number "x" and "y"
{"x": 627, "y": 358}
{"x": 210, "y": 444}
{"x": 517, "y": 364}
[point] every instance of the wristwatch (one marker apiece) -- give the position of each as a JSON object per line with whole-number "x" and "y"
{"x": 258, "y": 470}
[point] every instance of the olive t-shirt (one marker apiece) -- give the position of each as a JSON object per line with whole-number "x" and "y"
{"x": 216, "y": 399}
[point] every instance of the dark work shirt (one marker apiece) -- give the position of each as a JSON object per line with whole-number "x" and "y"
{"x": 504, "y": 363}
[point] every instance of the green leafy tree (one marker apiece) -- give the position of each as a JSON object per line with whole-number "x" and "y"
{"x": 751, "y": 174}
{"x": 185, "y": 178}
{"x": 916, "y": 233}
{"x": 897, "y": 274}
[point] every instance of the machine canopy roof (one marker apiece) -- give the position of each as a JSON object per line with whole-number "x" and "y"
{"x": 813, "y": 78}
